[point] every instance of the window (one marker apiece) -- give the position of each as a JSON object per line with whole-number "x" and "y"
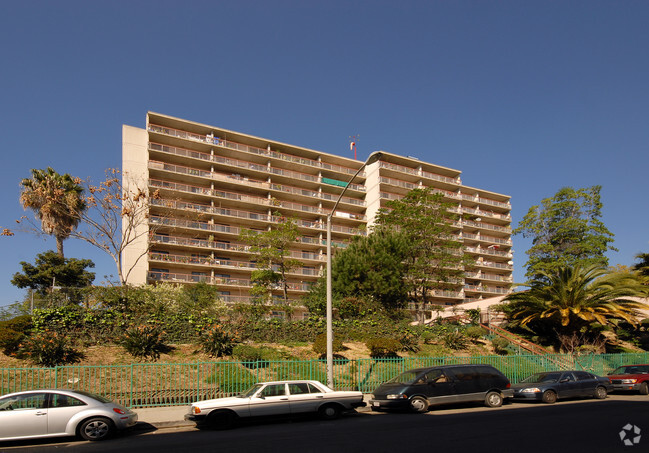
{"x": 464, "y": 373}
{"x": 59, "y": 400}
{"x": 583, "y": 376}
{"x": 298, "y": 388}
{"x": 23, "y": 402}
{"x": 273, "y": 390}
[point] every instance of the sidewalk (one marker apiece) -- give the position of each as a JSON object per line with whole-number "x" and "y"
{"x": 173, "y": 416}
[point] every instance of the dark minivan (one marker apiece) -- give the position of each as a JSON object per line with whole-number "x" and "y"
{"x": 423, "y": 387}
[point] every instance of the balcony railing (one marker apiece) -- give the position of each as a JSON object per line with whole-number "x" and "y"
{"x": 220, "y": 281}
{"x": 488, "y": 201}
{"x": 206, "y": 209}
{"x": 250, "y": 149}
{"x": 227, "y": 246}
{"x": 441, "y": 178}
{"x": 487, "y": 226}
{"x": 488, "y": 251}
{"x": 220, "y": 262}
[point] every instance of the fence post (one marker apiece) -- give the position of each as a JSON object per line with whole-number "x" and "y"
{"x": 131, "y": 384}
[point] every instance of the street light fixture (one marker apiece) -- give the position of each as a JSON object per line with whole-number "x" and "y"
{"x": 330, "y": 356}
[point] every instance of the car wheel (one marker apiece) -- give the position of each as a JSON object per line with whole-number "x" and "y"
{"x": 644, "y": 388}
{"x": 329, "y": 412}
{"x": 96, "y": 429}
{"x": 221, "y": 420}
{"x": 419, "y": 404}
{"x": 600, "y": 393}
{"x": 549, "y": 397}
{"x": 493, "y": 399}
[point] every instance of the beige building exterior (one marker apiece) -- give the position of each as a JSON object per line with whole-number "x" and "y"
{"x": 211, "y": 183}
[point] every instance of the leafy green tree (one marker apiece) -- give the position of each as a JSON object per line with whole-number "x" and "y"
{"x": 570, "y": 300}
{"x": 272, "y": 249}
{"x": 435, "y": 259}
{"x": 51, "y": 269}
{"x": 566, "y": 230}
{"x": 56, "y": 200}
{"x": 200, "y": 299}
{"x": 373, "y": 266}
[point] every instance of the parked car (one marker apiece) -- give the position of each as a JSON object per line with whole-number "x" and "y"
{"x": 421, "y": 388}
{"x": 274, "y": 398}
{"x": 631, "y": 377}
{"x": 549, "y": 386}
{"x": 55, "y": 413}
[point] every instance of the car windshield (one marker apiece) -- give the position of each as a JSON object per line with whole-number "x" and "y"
{"x": 251, "y": 391}
{"x": 407, "y": 377}
{"x": 542, "y": 377}
{"x": 631, "y": 369}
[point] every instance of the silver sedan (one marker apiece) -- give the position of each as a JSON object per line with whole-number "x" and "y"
{"x": 275, "y": 398}
{"x": 55, "y": 413}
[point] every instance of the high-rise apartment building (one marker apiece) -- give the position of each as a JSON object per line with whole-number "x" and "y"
{"x": 211, "y": 183}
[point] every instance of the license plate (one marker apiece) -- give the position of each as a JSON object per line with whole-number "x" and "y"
{"x": 376, "y": 404}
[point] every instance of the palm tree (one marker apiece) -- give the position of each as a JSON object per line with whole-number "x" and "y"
{"x": 571, "y": 298}
{"x": 56, "y": 200}
{"x": 643, "y": 265}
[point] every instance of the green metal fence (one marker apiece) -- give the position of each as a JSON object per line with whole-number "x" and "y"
{"x": 147, "y": 385}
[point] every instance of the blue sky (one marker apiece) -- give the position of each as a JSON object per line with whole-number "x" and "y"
{"x": 524, "y": 97}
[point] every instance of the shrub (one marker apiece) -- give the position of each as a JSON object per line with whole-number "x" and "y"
{"x": 409, "y": 341}
{"x": 231, "y": 378}
{"x": 12, "y": 332}
{"x": 217, "y": 341}
{"x": 320, "y": 344}
{"x": 49, "y": 349}
{"x": 475, "y": 332}
{"x": 20, "y": 324}
{"x": 255, "y": 357}
{"x": 455, "y": 340}
{"x": 10, "y": 340}
{"x": 383, "y": 347}
{"x": 500, "y": 345}
{"x": 144, "y": 342}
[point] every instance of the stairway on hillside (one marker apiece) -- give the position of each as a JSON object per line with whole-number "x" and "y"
{"x": 562, "y": 362}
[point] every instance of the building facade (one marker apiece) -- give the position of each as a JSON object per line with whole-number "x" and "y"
{"x": 211, "y": 183}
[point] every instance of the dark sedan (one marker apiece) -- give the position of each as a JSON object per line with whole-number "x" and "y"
{"x": 552, "y": 385}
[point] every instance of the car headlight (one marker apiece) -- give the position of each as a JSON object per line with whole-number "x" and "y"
{"x": 196, "y": 409}
{"x": 397, "y": 396}
{"x": 629, "y": 381}
{"x": 531, "y": 390}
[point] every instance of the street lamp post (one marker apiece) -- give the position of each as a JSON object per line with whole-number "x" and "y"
{"x": 330, "y": 355}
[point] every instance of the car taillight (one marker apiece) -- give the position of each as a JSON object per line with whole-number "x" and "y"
{"x": 119, "y": 411}
{"x": 509, "y": 384}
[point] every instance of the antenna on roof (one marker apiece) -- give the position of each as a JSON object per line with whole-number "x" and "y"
{"x": 352, "y": 144}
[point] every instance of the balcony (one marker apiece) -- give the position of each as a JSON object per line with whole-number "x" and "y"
{"x": 487, "y": 226}
{"x": 219, "y": 281}
{"x": 208, "y": 140}
{"x": 238, "y": 247}
{"x": 488, "y": 251}
{"x": 488, "y": 201}
{"x": 219, "y": 262}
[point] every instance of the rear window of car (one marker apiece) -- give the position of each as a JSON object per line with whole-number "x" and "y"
{"x": 301, "y": 388}
{"x": 99, "y": 398}
{"x": 583, "y": 376}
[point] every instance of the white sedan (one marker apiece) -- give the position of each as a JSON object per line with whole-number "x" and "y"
{"x": 274, "y": 398}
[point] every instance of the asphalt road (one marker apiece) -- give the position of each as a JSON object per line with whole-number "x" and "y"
{"x": 568, "y": 426}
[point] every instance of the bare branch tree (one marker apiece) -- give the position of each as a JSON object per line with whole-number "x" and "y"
{"x": 117, "y": 217}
